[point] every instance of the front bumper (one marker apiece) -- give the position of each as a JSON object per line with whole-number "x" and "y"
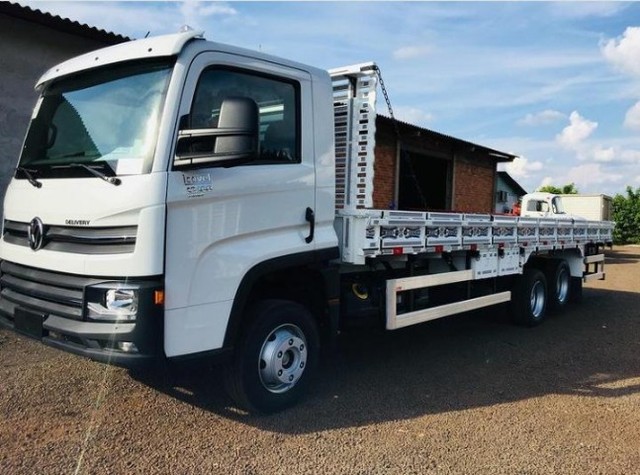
{"x": 91, "y": 340}
{"x": 29, "y": 305}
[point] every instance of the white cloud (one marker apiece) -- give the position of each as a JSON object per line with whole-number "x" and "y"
{"x": 604, "y": 154}
{"x": 541, "y": 118}
{"x": 521, "y": 167}
{"x": 546, "y": 181}
{"x": 578, "y": 130}
{"x": 412, "y": 52}
{"x": 586, "y": 9}
{"x": 630, "y": 156}
{"x": 623, "y": 52}
{"x": 591, "y": 174}
{"x": 197, "y": 14}
{"x": 412, "y": 115}
{"x": 632, "y": 117}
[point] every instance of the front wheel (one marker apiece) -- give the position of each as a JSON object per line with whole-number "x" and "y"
{"x": 275, "y": 358}
{"x": 529, "y": 298}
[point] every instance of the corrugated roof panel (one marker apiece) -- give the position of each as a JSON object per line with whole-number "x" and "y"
{"x": 61, "y": 24}
{"x": 496, "y": 154}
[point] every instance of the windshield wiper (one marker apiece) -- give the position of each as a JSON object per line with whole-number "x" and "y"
{"x": 28, "y": 173}
{"x": 109, "y": 179}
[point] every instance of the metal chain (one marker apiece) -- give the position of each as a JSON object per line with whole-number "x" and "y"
{"x": 387, "y": 100}
{"x": 412, "y": 172}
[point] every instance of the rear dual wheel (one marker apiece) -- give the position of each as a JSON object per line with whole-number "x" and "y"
{"x": 560, "y": 284}
{"x": 529, "y": 298}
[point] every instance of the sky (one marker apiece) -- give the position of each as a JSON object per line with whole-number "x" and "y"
{"x": 555, "y": 83}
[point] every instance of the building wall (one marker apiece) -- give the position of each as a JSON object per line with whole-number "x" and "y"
{"x": 384, "y": 170}
{"x": 511, "y": 196}
{"x": 27, "y": 50}
{"x": 472, "y": 185}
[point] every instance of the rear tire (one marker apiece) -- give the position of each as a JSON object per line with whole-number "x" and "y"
{"x": 559, "y": 280}
{"x": 275, "y": 358}
{"x": 529, "y": 298}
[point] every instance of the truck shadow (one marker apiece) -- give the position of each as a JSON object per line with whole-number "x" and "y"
{"x": 621, "y": 257}
{"x": 470, "y": 361}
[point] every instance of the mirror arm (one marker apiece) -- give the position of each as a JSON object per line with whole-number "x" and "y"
{"x": 228, "y": 131}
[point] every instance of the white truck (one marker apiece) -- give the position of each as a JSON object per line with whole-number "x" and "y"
{"x": 594, "y": 207}
{"x": 577, "y": 207}
{"x": 180, "y": 198}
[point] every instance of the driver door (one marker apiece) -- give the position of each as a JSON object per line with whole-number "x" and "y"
{"x": 223, "y": 221}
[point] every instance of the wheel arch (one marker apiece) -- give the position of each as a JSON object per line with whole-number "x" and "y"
{"x": 573, "y": 258}
{"x": 308, "y": 278}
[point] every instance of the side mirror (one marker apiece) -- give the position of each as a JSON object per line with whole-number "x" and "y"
{"x": 234, "y": 141}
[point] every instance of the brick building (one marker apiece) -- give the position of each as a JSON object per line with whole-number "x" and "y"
{"x": 426, "y": 170}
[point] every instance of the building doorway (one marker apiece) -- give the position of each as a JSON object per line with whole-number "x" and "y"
{"x": 424, "y": 182}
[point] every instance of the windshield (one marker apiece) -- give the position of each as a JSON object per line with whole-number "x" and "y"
{"x": 557, "y": 205}
{"x": 108, "y": 118}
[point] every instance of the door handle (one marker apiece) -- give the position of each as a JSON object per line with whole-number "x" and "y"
{"x": 311, "y": 218}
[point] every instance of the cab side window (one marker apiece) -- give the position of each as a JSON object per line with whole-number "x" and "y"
{"x": 539, "y": 206}
{"x": 277, "y": 102}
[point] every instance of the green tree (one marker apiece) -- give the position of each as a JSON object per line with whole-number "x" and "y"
{"x": 569, "y": 189}
{"x": 626, "y": 214}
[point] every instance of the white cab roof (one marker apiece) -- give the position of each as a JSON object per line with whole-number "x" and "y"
{"x": 161, "y": 46}
{"x": 155, "y": 47}
{"x": 540, "y": 195}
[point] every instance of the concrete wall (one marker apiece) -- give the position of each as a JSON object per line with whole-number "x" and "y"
{"x": 27, "y": 50}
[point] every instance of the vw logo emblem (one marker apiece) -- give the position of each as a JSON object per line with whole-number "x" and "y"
{"x": 35, "y": 234}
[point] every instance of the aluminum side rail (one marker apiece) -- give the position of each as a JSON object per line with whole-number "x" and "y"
{"x": 373, "y": 233}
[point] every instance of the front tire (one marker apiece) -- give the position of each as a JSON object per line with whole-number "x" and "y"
{"x": 529, "y": 298}
{"x": 275, "y": 357}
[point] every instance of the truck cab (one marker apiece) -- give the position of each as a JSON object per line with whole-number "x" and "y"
{"x": 544, "y": 205}
{"x": 155, "y": 176}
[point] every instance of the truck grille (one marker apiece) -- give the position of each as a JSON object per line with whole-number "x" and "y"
{"x": 78, "y": 240}
{"x": 42, "y": 291}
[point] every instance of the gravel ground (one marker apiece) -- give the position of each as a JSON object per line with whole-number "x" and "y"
{"x": 468, "y": 394}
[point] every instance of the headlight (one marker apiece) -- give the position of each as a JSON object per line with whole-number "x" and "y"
{"x": 119, "y": 299}
{"x": 115, "y": 305}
